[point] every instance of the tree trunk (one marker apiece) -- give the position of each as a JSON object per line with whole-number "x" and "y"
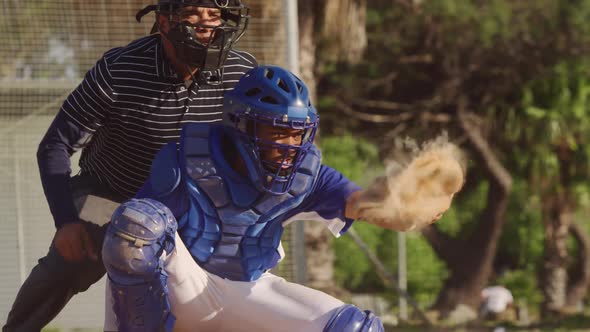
{"x": 318, "y": 245}
{"x": 557, "y": 216}
{"x": 308, "y": 9}
{"x": 312, "y": 15}
{"x": 579, "y": 277}
{"x": 470, "y": 260}
{"x": 344, "y": 30}
{"x": 558, "y": 209}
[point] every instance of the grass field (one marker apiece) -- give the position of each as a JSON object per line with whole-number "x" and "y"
{"x": 575, "y": 323}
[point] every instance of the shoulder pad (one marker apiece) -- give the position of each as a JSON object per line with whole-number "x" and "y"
{"x": 165, "y": 171}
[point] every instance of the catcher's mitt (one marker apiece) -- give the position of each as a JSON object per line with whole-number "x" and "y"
{"x": 416, "y": 194}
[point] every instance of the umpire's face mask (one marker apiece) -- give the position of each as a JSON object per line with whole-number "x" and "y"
{"x": 200, "y": 37}
{"x": 203, "y": 36}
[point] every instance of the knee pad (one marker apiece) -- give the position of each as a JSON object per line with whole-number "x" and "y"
{"x": 141, "y": 230}
{"x": 349, "y": 318}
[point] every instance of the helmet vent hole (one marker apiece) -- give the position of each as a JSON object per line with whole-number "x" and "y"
{"x": 269, "y": 73}
{"x": 252, "y": 92}
{"x": 299, "y": 87}
{"x": 269, "y": 100}
{"x": 283, "y": 86}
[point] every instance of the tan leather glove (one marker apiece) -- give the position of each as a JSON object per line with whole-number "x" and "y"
{"x": 417, "y": 194}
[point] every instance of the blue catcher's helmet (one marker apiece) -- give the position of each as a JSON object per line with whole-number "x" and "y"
{"x": 211, "y": 55}
{"x": 271, "y": 96}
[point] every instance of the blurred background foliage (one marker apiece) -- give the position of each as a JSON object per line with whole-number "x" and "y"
{"x": 509, "y": 81}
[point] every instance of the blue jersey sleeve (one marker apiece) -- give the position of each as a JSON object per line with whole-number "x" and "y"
{"x": 327, "y": 200}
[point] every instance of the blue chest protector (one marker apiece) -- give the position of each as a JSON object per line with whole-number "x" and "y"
{"x": 231, "y": 229}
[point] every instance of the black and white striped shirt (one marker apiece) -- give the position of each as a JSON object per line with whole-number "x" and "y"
{"x": 129, "y": 105}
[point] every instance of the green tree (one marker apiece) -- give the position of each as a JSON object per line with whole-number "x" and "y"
{"x": 359, "y": 160}
{"x": 553, "y": 124}
{"x": 462, "y": 66}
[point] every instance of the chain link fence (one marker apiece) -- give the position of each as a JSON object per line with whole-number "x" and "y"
{"x": 47, "y": 47}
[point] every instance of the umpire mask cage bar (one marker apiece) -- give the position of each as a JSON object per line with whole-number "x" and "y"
{"x": 208, "y": 57}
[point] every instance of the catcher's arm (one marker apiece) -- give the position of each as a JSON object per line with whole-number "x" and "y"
{"x": 412, "y": 197}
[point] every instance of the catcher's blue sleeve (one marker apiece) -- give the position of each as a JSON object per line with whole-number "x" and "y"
{"x": 327, "y": 201}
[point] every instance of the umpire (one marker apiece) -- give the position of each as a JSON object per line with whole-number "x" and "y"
{"x": 131, "y": 103}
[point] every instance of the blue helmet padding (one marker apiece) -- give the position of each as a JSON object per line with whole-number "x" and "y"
{"x": 349, "y": 318}
{"x": 272, "y": 92}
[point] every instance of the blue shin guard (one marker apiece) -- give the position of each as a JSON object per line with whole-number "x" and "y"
{"x": 142, "y": 307}
{"x": 139, "y": 233}
{"x": 349, "y": 318}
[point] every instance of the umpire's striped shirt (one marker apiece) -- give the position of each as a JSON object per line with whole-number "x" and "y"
{"x": 129, "y": 105}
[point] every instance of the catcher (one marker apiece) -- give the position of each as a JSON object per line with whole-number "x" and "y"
{"x": 192, "y": 252}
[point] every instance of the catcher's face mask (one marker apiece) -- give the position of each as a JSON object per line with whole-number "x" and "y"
{"x": 202, "y": 38}
{"x": 270, "y": 114}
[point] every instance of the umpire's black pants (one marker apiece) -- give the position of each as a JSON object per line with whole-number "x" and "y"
{"x": 53, "y": 281}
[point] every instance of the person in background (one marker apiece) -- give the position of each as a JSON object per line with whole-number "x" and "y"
{"x": 496, "y": 302}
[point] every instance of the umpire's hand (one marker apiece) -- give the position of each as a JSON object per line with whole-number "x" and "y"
{"x": 74, "y": 244}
